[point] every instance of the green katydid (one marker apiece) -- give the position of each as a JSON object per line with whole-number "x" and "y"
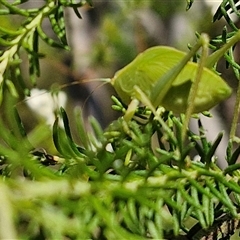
{"x": 165, "y": 75}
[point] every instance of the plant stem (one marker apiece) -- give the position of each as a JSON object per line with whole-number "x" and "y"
{"x": 214, "y": 57}
{"x": 204, "y": 40}
{"x": 236, "y": 114}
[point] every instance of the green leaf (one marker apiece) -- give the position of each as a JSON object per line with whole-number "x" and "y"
{"x": 82, "y": 133}
{"x": 189, "y": 4}
{"x": 58, "y": 25}
{"x": 12, "y": 88}
{"x": 76, "y": 149}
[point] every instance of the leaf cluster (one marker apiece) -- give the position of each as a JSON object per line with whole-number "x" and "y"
{"x": 26, "y": 39}
{"x": 116, "y": 184}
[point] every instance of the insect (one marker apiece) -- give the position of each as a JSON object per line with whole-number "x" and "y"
{"x": 43, "y": 157}
{"x": 164, "y": 76}
{"x": 150, "y": 66}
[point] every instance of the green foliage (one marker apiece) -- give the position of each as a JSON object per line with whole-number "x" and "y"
{"x": 26, "y": 38}
{"x": 129, "y": 190}
{"x": 113, "y": 183}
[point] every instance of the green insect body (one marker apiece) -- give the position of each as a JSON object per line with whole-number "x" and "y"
{"x": 150, "y": 66}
